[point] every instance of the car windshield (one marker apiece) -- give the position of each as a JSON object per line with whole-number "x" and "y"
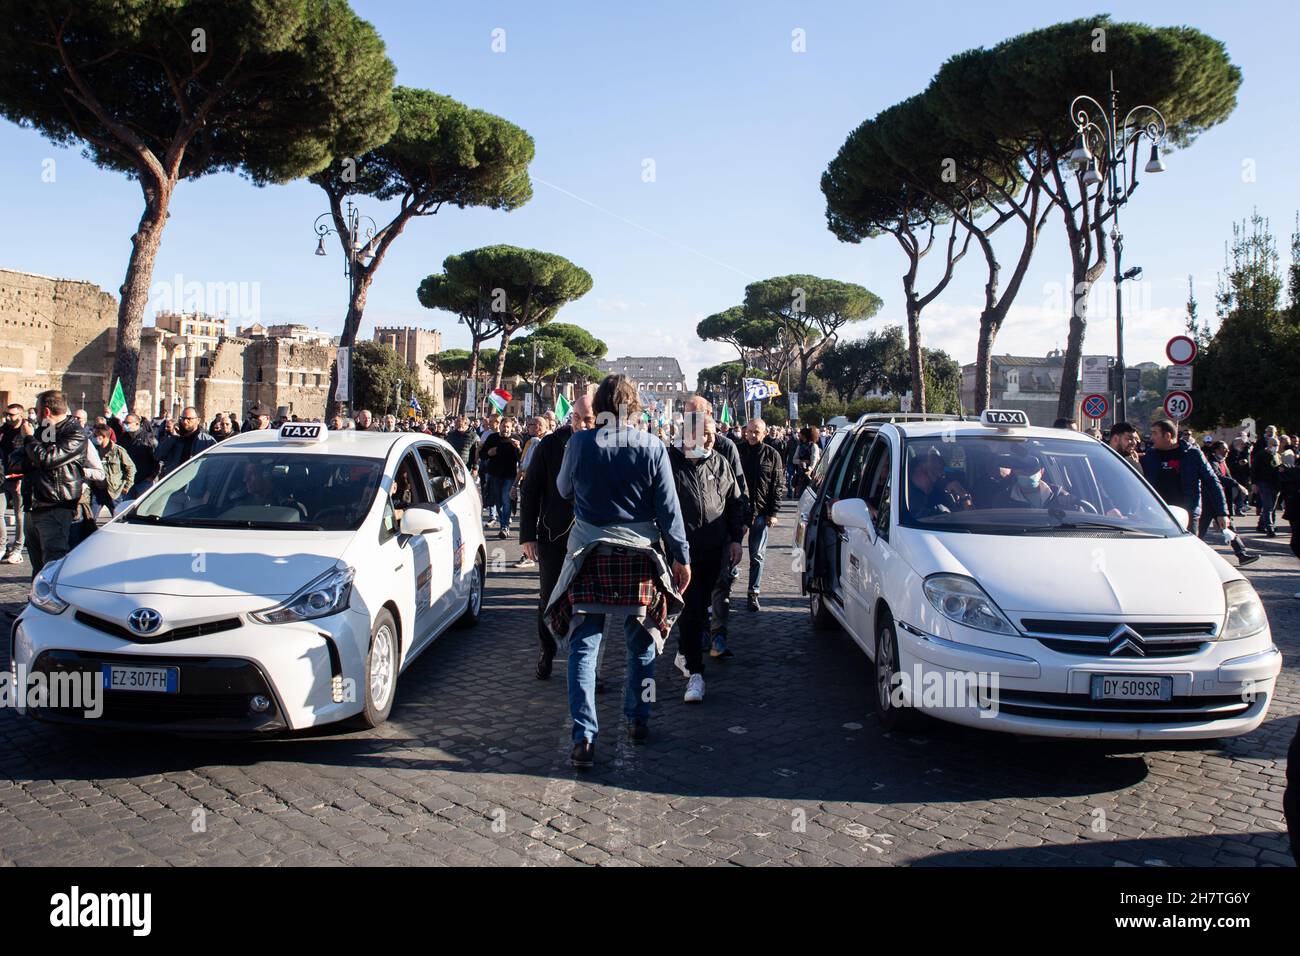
{"x": 274, "y": 491}
{"x": 1007, "y": 484}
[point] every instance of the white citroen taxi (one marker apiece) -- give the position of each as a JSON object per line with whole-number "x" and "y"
{"x": 1029, "y": 580}
{"x": 280, "y": 580}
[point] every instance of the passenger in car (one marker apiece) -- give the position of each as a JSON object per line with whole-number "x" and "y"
{"x": 928, "y": 493}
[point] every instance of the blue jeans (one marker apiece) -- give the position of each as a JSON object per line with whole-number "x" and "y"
{"x": 757, "y": 552}
{"x": 583, "y": 646}
{"x": 499, "y": 499}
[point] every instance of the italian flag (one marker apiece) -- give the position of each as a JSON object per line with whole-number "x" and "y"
{"x": 499, "y": 399}
{"x": 562, "y": 408}
{"x": 725, "y": 417}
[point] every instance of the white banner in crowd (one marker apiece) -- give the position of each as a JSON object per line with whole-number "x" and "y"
{"x": 471, "y": 397}
{"x": 344, "y": 363}
{"x": 528, "y": 405}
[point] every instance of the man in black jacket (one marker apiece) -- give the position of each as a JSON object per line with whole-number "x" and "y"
{"x": 1181, "y": 476}
{"x": 713, "y": 510}
{"x": 720, "y": 608}
{"x": 464, "y": 440}
{"x": 545, "y": 518}
{"x": 12, "y": 432}
{"x": 764, "y": 473}
{"x": 143, "y": 449}
{"x": 51, "y": 461}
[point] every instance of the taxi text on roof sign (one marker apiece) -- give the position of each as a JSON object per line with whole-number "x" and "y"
{"x": 303, "y": 432}
{"x": 1004, "y": 418}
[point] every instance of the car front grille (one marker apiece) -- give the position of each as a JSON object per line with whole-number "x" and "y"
{"x": 1094, "y": 638}
{"x": 175, "y": 634}
{"x": 1081, "y": 707}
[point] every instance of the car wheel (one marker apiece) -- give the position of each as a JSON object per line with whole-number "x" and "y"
{"x": 474, "y": 604}
{"x": 822, "y": 618}
{"x": 381, "y": 671}
{"x": 885, "y": 667}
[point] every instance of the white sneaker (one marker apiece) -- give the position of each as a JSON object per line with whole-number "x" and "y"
{"x": 525, "y": 563}
{"x": 694, "y": 689}
{"x": 13, "y": 557}
{"x": 680, "y": 663}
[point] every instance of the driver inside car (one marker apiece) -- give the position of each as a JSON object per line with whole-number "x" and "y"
{"x": 1027, "y": 489}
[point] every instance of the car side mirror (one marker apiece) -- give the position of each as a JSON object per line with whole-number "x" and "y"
{"x": 419, "y": 519}
{"x": 1181, "y": 515}
{"x": 851, "y": 513}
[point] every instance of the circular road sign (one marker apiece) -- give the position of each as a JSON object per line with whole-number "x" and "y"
{"x": 1096, "y": 406}
{"x": 1178, "y": 405}
{"x": 1181, "y": 350}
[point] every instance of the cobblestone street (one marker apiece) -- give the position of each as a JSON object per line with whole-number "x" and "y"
{"x": 783, "y": 763}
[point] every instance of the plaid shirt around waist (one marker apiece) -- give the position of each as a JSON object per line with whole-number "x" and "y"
{"x": 613, "y": 576}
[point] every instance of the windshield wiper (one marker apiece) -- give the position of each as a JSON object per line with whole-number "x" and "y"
{"x": 1099, "y": 525}
{"x": 151, "y": 519}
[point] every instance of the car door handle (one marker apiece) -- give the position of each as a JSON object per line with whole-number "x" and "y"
{"x": 400, "y": 566}
{"x": 843, "y": 535}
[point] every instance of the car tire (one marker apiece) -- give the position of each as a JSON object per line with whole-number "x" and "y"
{"x": 883, "y": 668}
{"x": 381, "y": 671}
{"x": 822, "y": 618}
{"x": 474, "y": 603}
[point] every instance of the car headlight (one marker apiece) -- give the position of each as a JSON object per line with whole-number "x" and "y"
{"x": 961, "y": 600}
{"x": 326, "y": 595}
{"x": 44, "y": 593}
{"x": 1245, "y": 615}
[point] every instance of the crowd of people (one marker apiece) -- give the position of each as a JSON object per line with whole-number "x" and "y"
{"x": 618, "y": 513}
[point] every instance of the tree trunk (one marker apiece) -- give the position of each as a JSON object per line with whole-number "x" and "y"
{"x": 135, "y": 290}
{"x": 984, "y": 365}
{"x": 501, "y": 358}
{"x": 351, "y": 324}
{"x": 914, "y": 353}
{"x": 1084, "y": 278}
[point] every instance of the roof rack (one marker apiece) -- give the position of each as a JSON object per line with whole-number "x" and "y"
{"x": 910, "y": 417}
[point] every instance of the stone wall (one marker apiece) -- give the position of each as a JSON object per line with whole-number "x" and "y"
{"x": 55, "y": 333}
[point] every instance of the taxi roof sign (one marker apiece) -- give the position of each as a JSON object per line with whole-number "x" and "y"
{"x": 305, "y": 433}
{"x": 1004, "y": 418}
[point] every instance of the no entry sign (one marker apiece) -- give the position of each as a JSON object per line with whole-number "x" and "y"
{"x": 1181, "y": 350}
{"x": 1178, "y": 405}
{"x": 1096, "y": 406}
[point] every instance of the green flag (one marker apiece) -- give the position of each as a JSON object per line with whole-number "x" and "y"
{"x": 117, "y": 404}
{"x": 725, "y": 418}
{"x": 562, "y": 408}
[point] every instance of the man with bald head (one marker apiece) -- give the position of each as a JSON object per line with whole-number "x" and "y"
{"x": 721, "y": 603}
{"x": 190, "y": 439}
{"x": 545, "y": 517}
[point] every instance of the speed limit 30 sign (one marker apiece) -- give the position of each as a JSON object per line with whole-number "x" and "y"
{"x": 1178, "y": 405}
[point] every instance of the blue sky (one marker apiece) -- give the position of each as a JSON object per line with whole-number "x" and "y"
{"x": 739, "y": 128}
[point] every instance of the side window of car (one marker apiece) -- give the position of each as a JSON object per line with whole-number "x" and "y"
{"x": 855, "y": 462}
{"x": 408, "y": 488}
{"x": 442, "y": 475}
{"x": 875, "y": 486}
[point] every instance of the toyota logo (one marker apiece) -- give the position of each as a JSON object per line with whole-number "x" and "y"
{"x": 144, "y": 620}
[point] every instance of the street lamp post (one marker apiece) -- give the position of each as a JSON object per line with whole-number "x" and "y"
{"x": 360, "y": 248}
{"x": 537, "y": 352}
{"x": 1101, "y": 157}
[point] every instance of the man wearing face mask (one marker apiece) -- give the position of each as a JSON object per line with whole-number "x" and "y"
{"x": 1027, "y": 488}
{"x": 142, "y": 447}
{"x": 713, "y": 510}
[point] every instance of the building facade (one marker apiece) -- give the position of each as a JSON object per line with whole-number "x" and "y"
{"x": 55, "y": 333}
{"x": 1029, "y": 383}
{"x": 657, "y": 377}
{"x": 414, "y": 345}
{"x": 61, "y": 333}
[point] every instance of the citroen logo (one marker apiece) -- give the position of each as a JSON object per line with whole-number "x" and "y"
{"x": 144, "y": 620}
{"x": 1124, "y": 638}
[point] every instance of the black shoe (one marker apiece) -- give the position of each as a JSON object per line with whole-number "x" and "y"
{"x": 503, "y": 534}
{"x": 544, "y": 661}
{"x": 753, "y": 602}
{"x": 583, "y": 755}
{"x": 637, "y": 731}
{"x": 1246, "y": 559}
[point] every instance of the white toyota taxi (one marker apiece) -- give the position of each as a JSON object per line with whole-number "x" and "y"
{"x": 1028, "y": 580}
{"x": 280, "y": 580}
